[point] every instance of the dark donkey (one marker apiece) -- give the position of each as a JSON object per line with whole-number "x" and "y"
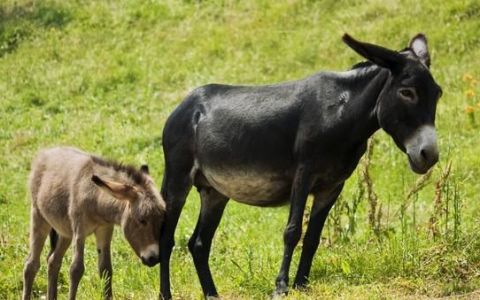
{"x": 276, "y": 144}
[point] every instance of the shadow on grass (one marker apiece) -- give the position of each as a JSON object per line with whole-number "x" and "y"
{"x": 18, "y": 22}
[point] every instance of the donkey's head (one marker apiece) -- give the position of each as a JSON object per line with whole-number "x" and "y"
{"x": 406, "y": 106}
{"x": 143, "y": 215}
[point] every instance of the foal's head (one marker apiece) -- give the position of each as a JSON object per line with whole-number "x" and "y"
{"x": 407, "y": 104}
{"x": 143, "y": 216}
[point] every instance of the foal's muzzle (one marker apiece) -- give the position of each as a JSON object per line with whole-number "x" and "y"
{"x": 150, "y": 260}
{"x": 150, "y": 255}
{"x": 422, "y": 150}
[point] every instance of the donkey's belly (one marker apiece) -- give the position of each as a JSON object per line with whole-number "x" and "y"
{"x": 250, "y": 187}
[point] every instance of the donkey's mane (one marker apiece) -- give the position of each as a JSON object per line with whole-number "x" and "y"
{"x": 362, "y": 64}
{"x": 367, "y": 63}
{"x": 133, "y": 173}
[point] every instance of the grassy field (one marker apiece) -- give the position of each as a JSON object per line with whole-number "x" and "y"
{"x": 104, "y": 76}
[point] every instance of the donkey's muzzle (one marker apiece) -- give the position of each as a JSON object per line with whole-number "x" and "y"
{"x": 422, "y": 149}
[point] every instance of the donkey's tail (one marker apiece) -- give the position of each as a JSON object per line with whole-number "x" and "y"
{"x": 53, "y": 241}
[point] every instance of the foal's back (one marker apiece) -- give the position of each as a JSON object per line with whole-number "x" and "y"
{"x": 60, "y": 184}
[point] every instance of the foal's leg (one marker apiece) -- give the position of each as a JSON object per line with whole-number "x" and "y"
{"x": 77, "y": 267}
{"x": 103, "y": 235}
{"x": 322, "y": 204}
{"x": 39, "y": 229}
{"x": 213, "y": 204}
{"x": 293, "y": 231}
{"x": 175, "y": 189}
{"x": 54, "y": 264}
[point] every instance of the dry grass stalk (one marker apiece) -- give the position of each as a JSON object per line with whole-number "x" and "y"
{"x": 438, "y": 203}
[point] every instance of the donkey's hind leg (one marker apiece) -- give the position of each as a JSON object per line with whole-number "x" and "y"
{"x": 213, "y": 204}
{"x": 178, "y": 148}
{"x": 103, "y": 236}
{"x": 175, "y": 188}
{"x": 54, "y": 264}
{"x": 39, "y": 229}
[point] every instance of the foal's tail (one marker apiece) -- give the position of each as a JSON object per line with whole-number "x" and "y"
{"x": 53, "y": 241}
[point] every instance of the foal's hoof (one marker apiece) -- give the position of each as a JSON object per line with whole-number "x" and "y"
{"x": 213, "y": 297}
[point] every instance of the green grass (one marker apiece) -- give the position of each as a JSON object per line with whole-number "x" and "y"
{"x": 104, "y": 76}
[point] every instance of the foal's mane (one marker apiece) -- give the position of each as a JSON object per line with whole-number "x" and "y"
{"x": 133, "y": 173}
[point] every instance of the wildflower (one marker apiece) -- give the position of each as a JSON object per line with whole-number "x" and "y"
{"x": 469, "y": 109}
{"x": 467, "y": 77}
{"x": 469, "y": 93}
{"x": 478, "y": 104}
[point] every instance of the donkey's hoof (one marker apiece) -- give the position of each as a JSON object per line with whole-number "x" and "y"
{"x": 301, "y": 285}
{"x": 281, "y": 291}
{"x": 213, "y": 297}
{"x": 165, "y": 296}
{"x": 278, "y": 296}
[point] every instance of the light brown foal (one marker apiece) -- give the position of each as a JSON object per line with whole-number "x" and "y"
{"x": 75, "y": 194}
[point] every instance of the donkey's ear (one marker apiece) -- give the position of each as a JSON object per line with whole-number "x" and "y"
{"x": 378, "y": 55}
{"x": 145, "y": 169}
{"x": 119, "y": 190}
{"x": 419, "y": 46}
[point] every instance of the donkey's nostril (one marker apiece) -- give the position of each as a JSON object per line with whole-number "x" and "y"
{"x": 429, "y": 155}
{"x": 423, "y": 153}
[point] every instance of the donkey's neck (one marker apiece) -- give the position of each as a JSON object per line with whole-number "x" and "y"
{"x": 367, "y": 83}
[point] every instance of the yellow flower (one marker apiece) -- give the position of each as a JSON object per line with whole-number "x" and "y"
{"x": 478, "y": 104}
{"x": 467, "y": 77}
{"x": 469, "y": 109}
{"x": 469, "y": 93}
{"x": 473, "y": 83}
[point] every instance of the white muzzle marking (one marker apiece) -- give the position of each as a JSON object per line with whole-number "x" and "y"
{"x": 150, "y": 250}
{"x": 425, "y": 134}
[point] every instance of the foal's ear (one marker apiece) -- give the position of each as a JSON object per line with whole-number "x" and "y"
{"x": 145, "y": 169}
{"x": 121, "y": 191}
{"x": 419, "y": 46}
{"x": 378, "y": 55}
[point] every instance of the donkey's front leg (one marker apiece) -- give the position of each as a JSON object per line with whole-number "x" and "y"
{"x": 293, "y": 231}
{"x": 103, "y": 236}
{"x": 77, "y": 267}
{"x": 322, "y": 203}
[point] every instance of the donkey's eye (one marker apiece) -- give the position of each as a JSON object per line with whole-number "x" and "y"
{"x": 407, "y": 94}
{"x": 143, "y": 222}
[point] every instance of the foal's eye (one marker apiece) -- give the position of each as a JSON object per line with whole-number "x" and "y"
{"x": 407, "y": 94}
{"x": 143, "y": 222}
